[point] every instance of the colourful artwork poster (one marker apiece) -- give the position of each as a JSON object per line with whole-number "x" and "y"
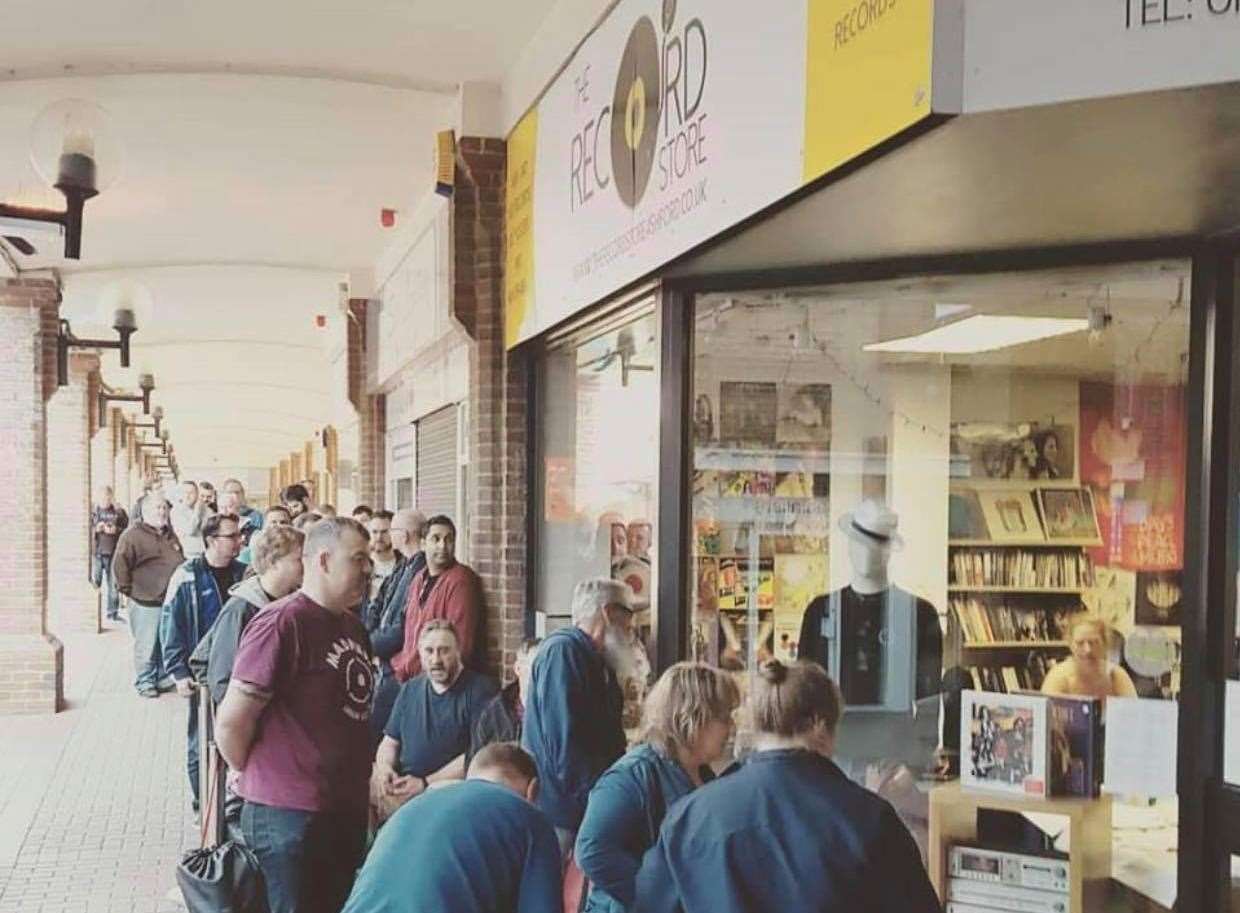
{"x": 1133, "y": 458}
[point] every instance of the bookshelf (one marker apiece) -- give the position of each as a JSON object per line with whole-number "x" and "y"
{"x": 1014, "y": 579}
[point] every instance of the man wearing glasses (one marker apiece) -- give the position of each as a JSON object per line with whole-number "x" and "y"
{"x": 196, "y": 594}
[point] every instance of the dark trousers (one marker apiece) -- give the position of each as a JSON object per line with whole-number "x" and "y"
{"x": 386, "y": 690}
{"x": 308, "y": 859}
{"x": 101, "y": 576}
{"x": 191, "y": 747}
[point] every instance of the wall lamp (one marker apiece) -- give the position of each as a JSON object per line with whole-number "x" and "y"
{"x": 157, "y": 416}
{"x": 146, "y": 383}
{"x": 123, "y": 321}
{"x": 73, "y": 149}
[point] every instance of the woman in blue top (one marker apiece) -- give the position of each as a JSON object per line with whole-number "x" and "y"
{"x": 787, "y": 830}
{"x": 686, "y": 721}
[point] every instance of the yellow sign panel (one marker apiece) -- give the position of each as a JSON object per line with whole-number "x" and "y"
{"x": 868, "y": 72}
{"x": 519, "y": 226}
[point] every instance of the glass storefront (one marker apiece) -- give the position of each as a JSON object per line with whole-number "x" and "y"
{"x": 925, "y": 484}
{"x": 597, "y": 468}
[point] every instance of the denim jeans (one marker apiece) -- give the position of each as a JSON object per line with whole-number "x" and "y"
{"x": 148, "y": 658}
{"x": 309, "y": 859}
{"x": 101, "y": 576}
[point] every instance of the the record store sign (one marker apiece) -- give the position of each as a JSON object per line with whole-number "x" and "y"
{"x": 677, "y": 119}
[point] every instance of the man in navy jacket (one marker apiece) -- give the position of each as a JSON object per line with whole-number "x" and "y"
{"x": 196, "y": 594}
{"x": 573, "y": 723}
{"x": 384, "y": 616}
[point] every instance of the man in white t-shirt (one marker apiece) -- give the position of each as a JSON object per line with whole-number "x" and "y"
{"x": 382, "y": 555}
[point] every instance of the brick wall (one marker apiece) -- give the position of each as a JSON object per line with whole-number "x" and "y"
{"x": 31, "y": 659}
{"x": 73, "y": 604}
{"x": 498, "y": 489}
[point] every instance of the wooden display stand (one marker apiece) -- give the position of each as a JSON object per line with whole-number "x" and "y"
{"x": 953, "y": 819}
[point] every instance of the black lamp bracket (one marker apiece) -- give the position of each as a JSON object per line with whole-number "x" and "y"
{"x": 144, "y": 398}
{"x": 65, "y": 340}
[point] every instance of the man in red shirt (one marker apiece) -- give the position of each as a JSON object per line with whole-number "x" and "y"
{"x": 445, "y": 589}
{"x": 295, "y": 723}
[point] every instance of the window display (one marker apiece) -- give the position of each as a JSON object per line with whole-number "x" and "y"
{"x": 941, "y": 485}
{"x": 598, "y": 449}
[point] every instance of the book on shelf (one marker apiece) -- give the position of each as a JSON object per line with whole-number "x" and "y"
{"x": 1011, "y": 620}
{"x": 1010, "y": 679}
{"x": 1019, "y": 568}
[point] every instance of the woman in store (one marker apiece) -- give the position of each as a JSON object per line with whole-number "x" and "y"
{"x": 1087, "y": 671}
{"x": 686, "y": 721}
{"x": 787, "y": 830}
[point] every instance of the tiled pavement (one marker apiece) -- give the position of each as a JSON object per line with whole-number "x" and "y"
{"x": 94, "y": 811}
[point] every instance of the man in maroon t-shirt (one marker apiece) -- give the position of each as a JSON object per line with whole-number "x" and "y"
{"x": 295, "y": 724}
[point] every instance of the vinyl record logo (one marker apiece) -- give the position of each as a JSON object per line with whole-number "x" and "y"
{"x": 635, "y": 113}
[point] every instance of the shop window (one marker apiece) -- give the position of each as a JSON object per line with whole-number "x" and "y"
{"x": 925, "y": 485}
{"x": 598, "y": 473}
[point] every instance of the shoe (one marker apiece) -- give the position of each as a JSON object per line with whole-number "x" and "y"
{"x": 167, "y": 684}
{"x": 148, "y": 691}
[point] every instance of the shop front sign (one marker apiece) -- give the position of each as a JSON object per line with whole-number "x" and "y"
{"x": 1019, "y": 53}
{"x": 677, "y": 119}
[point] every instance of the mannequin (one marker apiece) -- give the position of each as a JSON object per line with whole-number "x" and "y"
{"x": 889, "y": 660}
{"x": 873, "y": 623}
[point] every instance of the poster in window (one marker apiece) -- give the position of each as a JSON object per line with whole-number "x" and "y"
{"x": 1159, "y": 596}
{"x": 803, "y": 418}
{"x": 558, "y": 489}
{"x": 747, "y": 412}
{"x": 1019, "y": 450}
{"x": 1133, "y": 457}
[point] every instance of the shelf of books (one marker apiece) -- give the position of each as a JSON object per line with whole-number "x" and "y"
{"x": 1017, "y": 564}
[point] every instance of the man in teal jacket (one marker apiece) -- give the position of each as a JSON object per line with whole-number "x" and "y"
{"x": 196, "y": 594}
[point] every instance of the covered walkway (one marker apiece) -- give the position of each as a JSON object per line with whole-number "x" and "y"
{"x": 93, "y": 806}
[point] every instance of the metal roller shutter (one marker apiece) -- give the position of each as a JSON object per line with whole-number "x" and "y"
{"x": 436, "y": 465}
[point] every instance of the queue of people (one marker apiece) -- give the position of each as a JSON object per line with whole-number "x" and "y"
{"x": 353, "y": 708}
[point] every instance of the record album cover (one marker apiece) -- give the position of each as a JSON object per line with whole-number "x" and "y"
{"x": 1004, "y": 742}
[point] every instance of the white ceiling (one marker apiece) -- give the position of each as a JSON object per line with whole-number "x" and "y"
{"x": 408, "y": 43}
{"x": 261, "y": 141}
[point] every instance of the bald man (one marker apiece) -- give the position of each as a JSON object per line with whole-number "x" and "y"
{"x": 385, "y": 615}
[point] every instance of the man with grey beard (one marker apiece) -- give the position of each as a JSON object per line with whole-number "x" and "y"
{"x": 572, "y": 722}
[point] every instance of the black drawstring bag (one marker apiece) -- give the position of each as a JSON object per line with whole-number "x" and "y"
{"x": 222, "y": 879}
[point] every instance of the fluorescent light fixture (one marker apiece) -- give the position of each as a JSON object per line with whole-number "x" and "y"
{"x": 982, "y": 333}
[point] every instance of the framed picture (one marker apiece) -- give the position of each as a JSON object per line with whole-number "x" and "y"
{"x": 1024, "y": 450}
{"x": 1004, "y": 745}
{"x": 1069, "y": 514}
{"x": 964, "y": 517}
{"x": 1159, "y": 595}
{"x": 1010, "y": 515}
{"x": 803, "y": 417}
{"x": 747, "y": 413}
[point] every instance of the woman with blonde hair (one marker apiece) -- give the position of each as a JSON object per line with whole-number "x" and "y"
{"x": 686, "y": 722}
{"x": 787, "y": 830}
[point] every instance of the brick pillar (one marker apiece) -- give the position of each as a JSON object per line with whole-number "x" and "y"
{"x": 31, "y": 658}
{"x": 498, "y": 489}
{"x": 371, "y": 412}
{"x": 102, "y": 446}
{"x": 120, "y": 470}
{"x": 73, "y": 604}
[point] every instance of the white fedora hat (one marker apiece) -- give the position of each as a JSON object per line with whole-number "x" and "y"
{"x": 873, "y": 523}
